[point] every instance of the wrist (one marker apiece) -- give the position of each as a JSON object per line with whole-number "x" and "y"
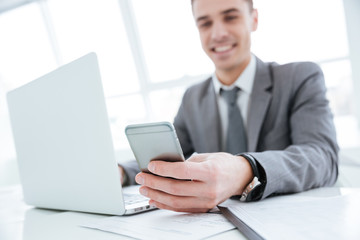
{"x": 246, "y": 175}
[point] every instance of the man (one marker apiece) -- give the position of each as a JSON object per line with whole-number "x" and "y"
{"x": 288, "y": 144}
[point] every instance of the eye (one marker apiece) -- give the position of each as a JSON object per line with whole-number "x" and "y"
{"x": 205, "y": 24}
{"x": 230, "y": 18}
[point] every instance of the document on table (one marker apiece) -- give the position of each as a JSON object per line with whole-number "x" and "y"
{"x": 302, "y": 216}
{"x": 162, "y": 224}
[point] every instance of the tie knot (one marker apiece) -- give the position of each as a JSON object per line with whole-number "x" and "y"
{"x": 230, "y": 95}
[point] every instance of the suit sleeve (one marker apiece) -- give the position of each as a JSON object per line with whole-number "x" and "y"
{"x": 311, "y": 160}
{"x": 131, "y": 168}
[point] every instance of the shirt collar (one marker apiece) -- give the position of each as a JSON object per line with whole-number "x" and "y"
{"x": 245, "y": 81}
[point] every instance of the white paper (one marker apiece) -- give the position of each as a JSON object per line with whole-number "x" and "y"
{"x": 162, "y": 224}
{"x": 302, "y": 217}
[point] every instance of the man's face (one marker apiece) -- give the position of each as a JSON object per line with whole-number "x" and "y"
{"x": 225, "y": 28}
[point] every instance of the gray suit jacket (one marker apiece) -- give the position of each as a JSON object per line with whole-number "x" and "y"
{"x": 290, "y": 128}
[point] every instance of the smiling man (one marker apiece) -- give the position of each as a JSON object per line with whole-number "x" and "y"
{"x": 226, "y": 35}
{"x": 259, "y": 129}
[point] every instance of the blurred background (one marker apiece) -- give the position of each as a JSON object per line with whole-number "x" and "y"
{"x": 149, "y": 53}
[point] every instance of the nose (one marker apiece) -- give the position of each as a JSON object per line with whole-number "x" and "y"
{"x": 219, "y": 31}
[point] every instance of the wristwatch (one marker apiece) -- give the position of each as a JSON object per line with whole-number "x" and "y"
{"x": 252, "y": 191}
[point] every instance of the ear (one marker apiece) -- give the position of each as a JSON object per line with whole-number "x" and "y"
{"x": 254, "y": 17}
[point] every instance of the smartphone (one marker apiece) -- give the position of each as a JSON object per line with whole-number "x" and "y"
{"x": 154, "y": 141}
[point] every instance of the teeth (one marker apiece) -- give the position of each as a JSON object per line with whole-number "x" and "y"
{"x": 222, "y": 49}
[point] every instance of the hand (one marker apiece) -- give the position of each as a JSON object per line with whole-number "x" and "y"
{"x": 122, "y": 174}
{"x": 214, "y": 178}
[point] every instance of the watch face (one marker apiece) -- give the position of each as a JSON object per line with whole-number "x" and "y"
{"x": 248, "y": 193}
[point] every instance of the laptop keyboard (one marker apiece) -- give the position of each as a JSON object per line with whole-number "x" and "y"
{"x": 134, "y": 198}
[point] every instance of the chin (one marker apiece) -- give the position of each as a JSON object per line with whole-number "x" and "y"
{"x": 224, "y": 66}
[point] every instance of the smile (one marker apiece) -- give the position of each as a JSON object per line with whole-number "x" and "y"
{"x": 223, "y": 48}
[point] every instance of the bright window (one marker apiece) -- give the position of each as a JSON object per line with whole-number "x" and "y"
{"x": 146, "y": 69}
{"x": 25, "y": 49}
{"x": 170, "y": 40}
{"x": 84, "y": 26}
{"x": 301, "y": 30}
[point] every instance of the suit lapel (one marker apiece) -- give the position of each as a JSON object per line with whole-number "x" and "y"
{"x": 211, "y": 120}
{"x": 260, "y": 99}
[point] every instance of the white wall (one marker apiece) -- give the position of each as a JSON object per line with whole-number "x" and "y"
{"x": 352, "y": 14}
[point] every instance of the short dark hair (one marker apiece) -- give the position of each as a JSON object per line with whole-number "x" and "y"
{"x": 250, "y": 2}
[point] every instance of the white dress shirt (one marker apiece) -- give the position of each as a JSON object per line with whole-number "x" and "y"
{"x": 245, "y": 82}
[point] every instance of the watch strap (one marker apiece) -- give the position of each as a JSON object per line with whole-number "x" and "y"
{"x": 253, "y": 189}
{"x": 252, "y": 162}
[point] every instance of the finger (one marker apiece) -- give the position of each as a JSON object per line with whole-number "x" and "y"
{"x": 180, "y": 170}
{"x": 177, "y": 202}
{"x": 122, "y": 174}
{"x": 199, "y": 157}
{"x": 173, "y": 186}
{"x": 189, "y": 210}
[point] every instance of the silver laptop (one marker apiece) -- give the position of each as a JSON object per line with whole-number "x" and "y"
{"x": 64, "y": 145}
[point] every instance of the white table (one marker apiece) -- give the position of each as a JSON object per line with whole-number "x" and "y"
{"x": 20, "y": 221}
